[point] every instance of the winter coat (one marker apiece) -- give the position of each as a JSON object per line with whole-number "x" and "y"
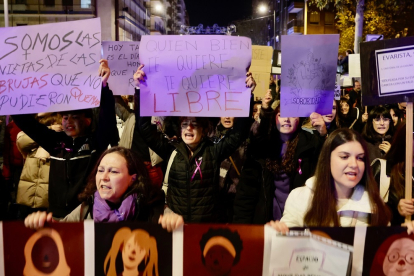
{"x": 71, "y": 159}
{"x": 256, "y": 189}
{"x": 12, "y": 156}
{"x": 299, "y": 200}
{"x": 193, "y": 191}
{"x": 34, "y": 180}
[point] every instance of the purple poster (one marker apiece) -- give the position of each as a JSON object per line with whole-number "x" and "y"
{"x": 308, "y": 74}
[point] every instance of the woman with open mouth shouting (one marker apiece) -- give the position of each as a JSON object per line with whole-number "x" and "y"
{"x": 194, "y": 160}
{"x": 343, "y": 191}
{"x": 378, "y": 132}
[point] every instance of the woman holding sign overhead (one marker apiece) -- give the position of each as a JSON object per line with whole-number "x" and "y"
{"x": 194, "y": 162}
{"x": 343, "y": 191}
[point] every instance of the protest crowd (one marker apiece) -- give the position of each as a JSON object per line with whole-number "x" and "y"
{"x": 113, "y": 164}
{"x": 255, "y": 170}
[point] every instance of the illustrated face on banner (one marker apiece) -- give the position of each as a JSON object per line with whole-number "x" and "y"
{"x": 45, "y": 255}
{"x": 347, "y": 165}
{"x": 132, "y": 253}
{"x": 219, "y": 260}
{"x": 400, "y": 258}
{"x": 135, "y": 246}
{"x": 381, "y": 125}
{"x": 287, "y": 125}
{"x": 221, "y": 250}
{"x": 330, "y": 117}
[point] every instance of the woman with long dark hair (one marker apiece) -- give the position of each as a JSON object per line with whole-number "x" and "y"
{"x": 282, "y": 157}
{"x": 390, "y": 175}
{"x": 343, "y": 191}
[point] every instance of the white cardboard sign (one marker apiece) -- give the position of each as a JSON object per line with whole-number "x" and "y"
{"x": 50, "y": 67}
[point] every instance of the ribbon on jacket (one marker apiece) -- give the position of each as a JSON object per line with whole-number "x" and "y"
{"x": 198, "y": 169}
{"x": 299, "y": 168}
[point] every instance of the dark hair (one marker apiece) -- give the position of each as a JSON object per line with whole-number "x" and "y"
{"x": 233, "y": 237}
{"x": 286, "y": 163}
{"x": 322, "y": 211}
{"x": 349, "y": 51}
{"x": 49, "y": 119}
{"x": 396, "y": 161}
{"x": 141, "y": 185}
{"x": 369, "y": 132}
{"x": 87, "y": 112}
{"x": 203, "y": 122}
{"x": 397, "y": 112}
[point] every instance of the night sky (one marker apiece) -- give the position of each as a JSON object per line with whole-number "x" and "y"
{"x": 222, "y": 12}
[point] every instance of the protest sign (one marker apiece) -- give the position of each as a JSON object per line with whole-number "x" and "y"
{"x": 195, "y": 75}
{"x": 261, "y": 68}
{"x": 308, "y": 74}
{"x": 354, "y": 65}
{"x": 123, "y": 59}
{"x": 387, "y": 71}
{"x": 308, "y": 254}
{"x": 50, "y": 67}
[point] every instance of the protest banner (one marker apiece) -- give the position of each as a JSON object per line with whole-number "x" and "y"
{"x": 88, "y": 248}
{"x": 277, "y": 62}
{"x": 195, "y": 75}
{"x": 308, "y": 74}
{"x": 261, "y": 68}
{"x": 123, "y": 59}
{"x": 50, "y": 67}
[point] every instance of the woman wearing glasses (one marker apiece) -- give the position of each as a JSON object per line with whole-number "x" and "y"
{"x": 194, "y": 162}
{"x": 378, "y": 132}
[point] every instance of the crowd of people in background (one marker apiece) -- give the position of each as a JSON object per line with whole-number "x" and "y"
{"x": 340, "y": 169}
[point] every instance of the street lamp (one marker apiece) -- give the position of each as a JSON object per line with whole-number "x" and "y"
{"x": 158, "y": 7}
{"x": 265, "y": 9}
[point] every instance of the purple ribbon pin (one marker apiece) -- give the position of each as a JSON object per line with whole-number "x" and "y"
{"x": 198, "y": 169}
{"x": 299, "y": 168}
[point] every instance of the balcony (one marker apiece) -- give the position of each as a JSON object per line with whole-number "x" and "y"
{"x": 45, "y": 9}
{"x": 294, "y": 27}
{"x": 295, "y": 6}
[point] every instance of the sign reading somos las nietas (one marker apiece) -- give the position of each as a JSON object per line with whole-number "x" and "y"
{"x": 50, "y": 67}
{"x": 195, "y": 75}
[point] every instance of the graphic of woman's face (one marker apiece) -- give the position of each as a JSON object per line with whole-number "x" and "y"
{"x": 381, "y": 125}
{"x": 219, "y": 261}
{"x": 400, "y": 258}
{"x": 132, "y": 254}
{"x": 394, "y": 117}
{"x": 344, "y": 108}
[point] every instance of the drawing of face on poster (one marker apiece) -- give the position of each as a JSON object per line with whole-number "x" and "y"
{"x": 138, "y": 250}
{"x": 400, "y": 258}
{"x": 220, "y": 249}
{"x": 394, "y": 257}
{"x": 44, "y": 254}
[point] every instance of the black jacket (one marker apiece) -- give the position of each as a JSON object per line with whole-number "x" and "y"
{"x": 256, "y": 189}
{"x": 195, "y": 199}
{"x": 71, "y": 159}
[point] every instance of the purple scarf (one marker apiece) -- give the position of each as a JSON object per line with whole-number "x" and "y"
{"x": 103, "y": 213}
